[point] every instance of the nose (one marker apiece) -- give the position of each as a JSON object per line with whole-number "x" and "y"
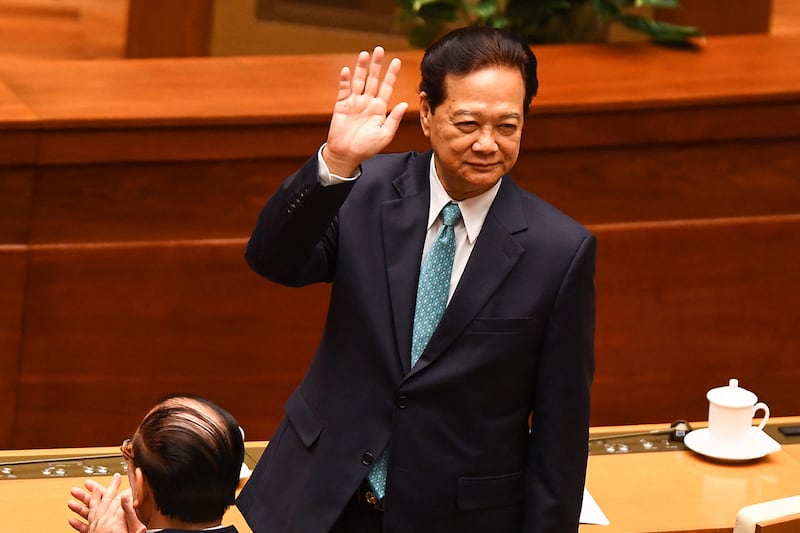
{"x": 485, "y": 142}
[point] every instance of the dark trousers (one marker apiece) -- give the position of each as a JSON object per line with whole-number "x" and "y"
{"x": 359, "y": 516}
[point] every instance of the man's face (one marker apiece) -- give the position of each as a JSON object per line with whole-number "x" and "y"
{"x": 476, "y": 131}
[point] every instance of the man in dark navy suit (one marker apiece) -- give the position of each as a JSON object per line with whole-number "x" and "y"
{"x": 485, "y": 427}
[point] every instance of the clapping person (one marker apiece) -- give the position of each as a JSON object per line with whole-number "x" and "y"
{"x": 184, "y": 463}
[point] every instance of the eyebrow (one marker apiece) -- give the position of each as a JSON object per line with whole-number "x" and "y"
{"x": 477, "y": 114}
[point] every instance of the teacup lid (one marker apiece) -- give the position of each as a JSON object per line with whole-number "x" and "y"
{"x": 732, "y": 395}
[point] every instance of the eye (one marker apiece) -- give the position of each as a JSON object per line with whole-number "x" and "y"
{"x": 467, "y": 126}
{"x": 507, "y": 129}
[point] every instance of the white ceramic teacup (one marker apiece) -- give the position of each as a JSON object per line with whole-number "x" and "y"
{"x": 731, "y": 410}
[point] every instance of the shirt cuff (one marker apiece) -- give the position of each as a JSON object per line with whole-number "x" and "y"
{"x": 326, "y": 177}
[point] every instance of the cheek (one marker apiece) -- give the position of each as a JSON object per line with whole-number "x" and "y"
{"x": 460, "y": 144}
{"x": 452, "y": 144}
{"x": 510, "y": 149}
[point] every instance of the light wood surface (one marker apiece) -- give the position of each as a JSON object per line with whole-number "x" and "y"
{"x": 794, "y": 450}
{"x": 40, "y": 505}
{"x": 682, "y": 491}
{"x": 677, "y": 491}
{"x": 658, "y": 492}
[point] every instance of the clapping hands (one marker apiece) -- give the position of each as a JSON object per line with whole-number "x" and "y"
{"x": 103, "y": 510}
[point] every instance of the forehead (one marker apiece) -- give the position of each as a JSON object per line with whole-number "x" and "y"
{"x": 486, "y": 88}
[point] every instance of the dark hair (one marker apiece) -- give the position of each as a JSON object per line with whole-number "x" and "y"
{"x": 190, "y": 451}
{"x": 472, "y": 48}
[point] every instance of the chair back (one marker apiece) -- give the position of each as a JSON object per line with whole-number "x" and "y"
{"x": 774, "y": 516}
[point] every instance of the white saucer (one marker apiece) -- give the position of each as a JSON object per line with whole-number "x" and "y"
{"x": 758, "y": 446}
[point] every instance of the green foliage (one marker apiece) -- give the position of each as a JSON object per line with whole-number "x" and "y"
{"x": 542, "y": 21}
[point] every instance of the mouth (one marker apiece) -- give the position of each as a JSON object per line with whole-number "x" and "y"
{"x": 483, "y": 166}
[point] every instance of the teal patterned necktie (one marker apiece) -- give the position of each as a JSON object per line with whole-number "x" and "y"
{"x": 432, "y": 292}
{"x": 434, "y": 282}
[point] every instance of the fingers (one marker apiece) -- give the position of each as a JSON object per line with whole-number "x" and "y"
{"x": 90, "y": 484}
{"x": 79, "y": 509}
{"x": 80, "y": 506}
{"x": 96, "y": 498}
{"x": 389, "y": 80}
{"x": 101, "y": 496}
{"x": 373, "y": 79}
{"x": 80, "y": 495}
{"x": 360, "y": 73}
{"x": 344, "y": 84}
{"x": 366, "y": 77}
{"x": 113, "y": 487}
{"x": 78, "y": 526}
{"x": 360, "y": 126}
{"x": 367, "y": 74}
{"x": 101, "y": 508}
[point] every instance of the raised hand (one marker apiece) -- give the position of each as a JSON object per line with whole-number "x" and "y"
{"x": 362, "y": 124}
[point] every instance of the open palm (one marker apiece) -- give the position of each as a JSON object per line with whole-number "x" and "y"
{"x": 362, "y": 125}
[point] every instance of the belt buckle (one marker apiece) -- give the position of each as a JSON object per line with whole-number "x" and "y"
{"x": 372, "y": 499}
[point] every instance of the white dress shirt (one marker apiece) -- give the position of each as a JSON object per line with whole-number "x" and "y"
{"x": 473, "y": 215}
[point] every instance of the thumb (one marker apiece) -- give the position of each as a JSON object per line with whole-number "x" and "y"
{"x": 392, "y": 122}
{"x": 132, "y": 521}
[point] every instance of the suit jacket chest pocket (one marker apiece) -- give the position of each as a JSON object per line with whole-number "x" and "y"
{"x": 504, "y": 340}
{"x": 527, "y": 325}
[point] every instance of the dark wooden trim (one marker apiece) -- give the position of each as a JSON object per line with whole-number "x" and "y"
{"x": 169, "y": 28}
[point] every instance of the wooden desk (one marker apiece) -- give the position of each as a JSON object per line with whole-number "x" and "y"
{"x": 674, "y": 491}
{"x": 680, "y": 491}
{"x": 40, "y": 505}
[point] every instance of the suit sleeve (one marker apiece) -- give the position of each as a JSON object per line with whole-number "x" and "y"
{"x": 558, "y": 447}
{"x": 295, "y": 238}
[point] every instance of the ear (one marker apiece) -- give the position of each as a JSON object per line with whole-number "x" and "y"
{"x": 143, "y": 499}
{"x": 425, "y": 113}
{"x": 138, "y": 487}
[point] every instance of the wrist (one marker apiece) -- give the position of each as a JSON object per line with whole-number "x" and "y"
{"x": 337, "y": 165}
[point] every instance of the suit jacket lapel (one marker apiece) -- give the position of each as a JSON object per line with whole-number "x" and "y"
{"x": 493, "y": 257}
{"x": 403, "y": 223}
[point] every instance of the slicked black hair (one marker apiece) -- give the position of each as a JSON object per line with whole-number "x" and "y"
{"x": 190, "y": 451}
{"x": 472, "y": 48}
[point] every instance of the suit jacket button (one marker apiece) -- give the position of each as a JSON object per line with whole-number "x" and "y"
{"x": 402, "y": 401}
{"x": 367, "y": 458}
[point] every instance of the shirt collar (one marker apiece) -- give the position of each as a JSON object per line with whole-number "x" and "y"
{"x": 473, "y": 210}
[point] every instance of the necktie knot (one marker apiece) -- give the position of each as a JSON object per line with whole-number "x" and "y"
{"x": 451, "y": 214}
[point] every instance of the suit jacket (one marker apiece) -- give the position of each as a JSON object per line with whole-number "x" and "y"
{"x": 516, "y": 338}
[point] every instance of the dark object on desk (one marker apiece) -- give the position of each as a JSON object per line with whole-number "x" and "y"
{"x": 677, "y": 431}
{"x": 790, "y": 431}
{"x": 641, "y": 441}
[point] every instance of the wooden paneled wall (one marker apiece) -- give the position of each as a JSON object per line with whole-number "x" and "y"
{"x": 128, "y": 190}
{"x": 169, "y": 28}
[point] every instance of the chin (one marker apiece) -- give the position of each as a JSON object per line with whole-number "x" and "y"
{"x": 483, "y": 181}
